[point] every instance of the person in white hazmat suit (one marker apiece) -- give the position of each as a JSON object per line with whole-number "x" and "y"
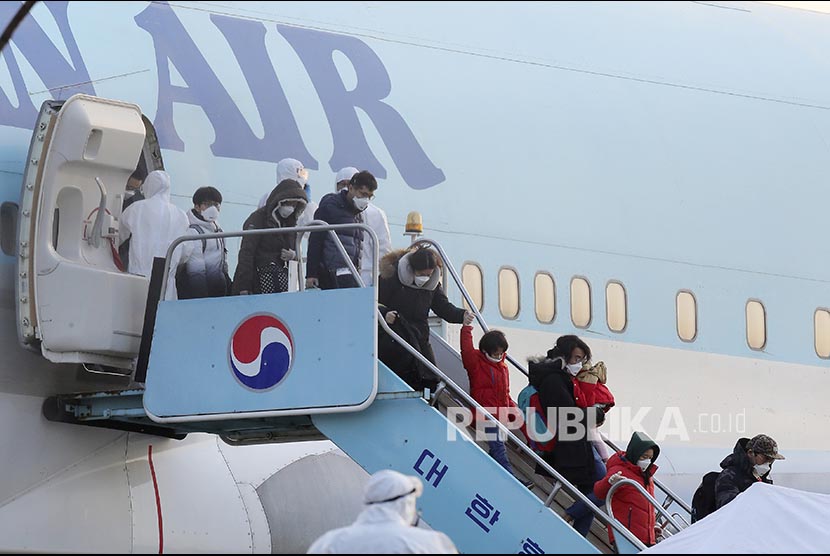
{"x": 153, "y": 224}
{"x": 293, "y": 169}
{"x": 387, "y": 523}
{"x": 375, "y": 218}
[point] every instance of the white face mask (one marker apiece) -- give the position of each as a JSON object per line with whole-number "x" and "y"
{"x": 575, "y": 368}
{"x": 210, "y": 214}
{"x": 644, "y": 463}
{"x": 286, "y": 211}
{"x": 421, "y": 280}
{"x": 360, "y": 203}
{"x": 494, "y": 359}
{"x": 763, "y": 469}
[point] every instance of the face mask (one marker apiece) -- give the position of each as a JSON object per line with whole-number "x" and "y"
{"x": 494, "y": 359}
{"x": 286, "y": 211}
{"x": 210, "y": 214}
{"x": 129, "y": 193}
{"x": 644, "y": 463}
{"x": 361, "y": 203}
{"x": 421, "y": 280}
{"x": 575, "y": 368}
{"x": 763, "y": 469}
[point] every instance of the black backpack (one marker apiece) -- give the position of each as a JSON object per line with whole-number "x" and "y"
{"x": 703, "y": 501}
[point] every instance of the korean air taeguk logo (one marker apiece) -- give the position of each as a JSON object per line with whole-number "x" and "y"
{"x": 261, "y": 352}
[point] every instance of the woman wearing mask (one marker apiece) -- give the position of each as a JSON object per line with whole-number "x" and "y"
{"x": 630, "y": 507}
{"x": 409, "y": 286}
{"x": 204, "y": 273}
{"x": 560, "y": 396}
{"x": 263, "y": 259}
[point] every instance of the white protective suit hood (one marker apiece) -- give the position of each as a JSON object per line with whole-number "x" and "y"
{"x": 344, "y": 174}
{"x": 152, "y": 225}
{"x": 385, "y": 526}
{"x": 288, "y": 169}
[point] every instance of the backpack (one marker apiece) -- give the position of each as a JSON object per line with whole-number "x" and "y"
{"x": 704, "y": 501}
{"x": 528, "y": 402}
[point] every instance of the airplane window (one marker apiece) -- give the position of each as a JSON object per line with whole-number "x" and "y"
{"x": 508, "y": 293}
{"x": 8, "y": 227}
{"x": 615, "y": 306}
{"x": 756, "y": 324}
{"x": 686, "y": 316}
{"x": 474, "y": 284}
{"x": 580, "y": 302}
{"x": 545, "y": 294}
{"x": 822, "y": 330}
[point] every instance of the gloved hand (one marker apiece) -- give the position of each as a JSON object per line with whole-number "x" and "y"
{"x": 615, "y": 477}
{"x": 391, "y": 316}
{"x": 469, "y": 317}
{"x": 288, "y": 254}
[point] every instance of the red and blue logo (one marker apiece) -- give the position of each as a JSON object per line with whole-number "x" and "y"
{"x": 261, "y": 352}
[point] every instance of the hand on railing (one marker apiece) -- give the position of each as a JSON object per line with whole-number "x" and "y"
{"x": 391, "y": 316}
{"x": 615, "y": 477}
{"x": 288, "y": 254}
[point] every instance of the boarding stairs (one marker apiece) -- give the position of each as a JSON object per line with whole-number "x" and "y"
{"x": 302, "y": 366}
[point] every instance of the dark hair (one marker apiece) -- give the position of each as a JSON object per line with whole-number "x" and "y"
{"x": 423, "y": 259}
{"x": 138, "y": 174}
{"x": 207, "y": 194}
{"x": 565, "y": 346}
{"x": 364, "y": 179}
{"x": 491, "y": 341}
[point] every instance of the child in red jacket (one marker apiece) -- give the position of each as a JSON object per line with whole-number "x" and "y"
{"x": 630, "y": 507}
{"x": 489, "y": 381}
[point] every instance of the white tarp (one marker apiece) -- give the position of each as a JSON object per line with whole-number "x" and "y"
{"x": 763, "y": 519}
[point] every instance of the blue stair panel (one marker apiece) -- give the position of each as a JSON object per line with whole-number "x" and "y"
{"x": 263, "y": 355}
{"x": 467, "y": 495}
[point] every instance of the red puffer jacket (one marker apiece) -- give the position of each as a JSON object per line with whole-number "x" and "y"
{"x": 630, "y": 507}
{"x": 489, "y": 382}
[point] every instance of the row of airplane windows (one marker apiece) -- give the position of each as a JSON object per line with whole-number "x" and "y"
{"x": 616, "y": 306}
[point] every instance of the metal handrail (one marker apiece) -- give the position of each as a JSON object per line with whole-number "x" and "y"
{"x": 460, "y": 284}
{"x": 315, "y": 226}
{"x": 675, "y": 498}
{"x": 561, "y": 481}
{"x": 660, "y": 509}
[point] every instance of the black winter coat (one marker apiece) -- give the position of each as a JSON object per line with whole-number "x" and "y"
{"x": 414, "y": 304}
{"x": 737, "y": 475}
{"x": 574, "y": 459}
{"x": 257, "y": 251}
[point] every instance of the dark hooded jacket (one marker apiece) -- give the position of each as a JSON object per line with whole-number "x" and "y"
{"x": 413, "y": 302}
{"x": 257, "y": 251}
{"x": 573, "y": 458}
{"x": 737, "y": 475}
{"x": 324, "y": 258}
{"x": 630, "y": 507}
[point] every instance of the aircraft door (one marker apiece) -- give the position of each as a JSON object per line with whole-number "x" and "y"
{"x": 75, "y": 302}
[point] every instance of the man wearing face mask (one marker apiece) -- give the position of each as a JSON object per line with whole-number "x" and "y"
{"x": 387, "y": 525}
{"x": 375, "y": 218}
{"x": 750, "y": 462}
{"x": 325, "y": 267}
{"x": 205, "y": 271}
{"x": 630, "y": 507}
{"x": 262, "y": 266}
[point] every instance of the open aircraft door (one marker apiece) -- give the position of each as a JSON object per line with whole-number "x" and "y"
{"x": 75, "y": 302}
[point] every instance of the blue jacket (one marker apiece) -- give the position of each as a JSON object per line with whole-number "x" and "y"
{"x": 323, "y": 256}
